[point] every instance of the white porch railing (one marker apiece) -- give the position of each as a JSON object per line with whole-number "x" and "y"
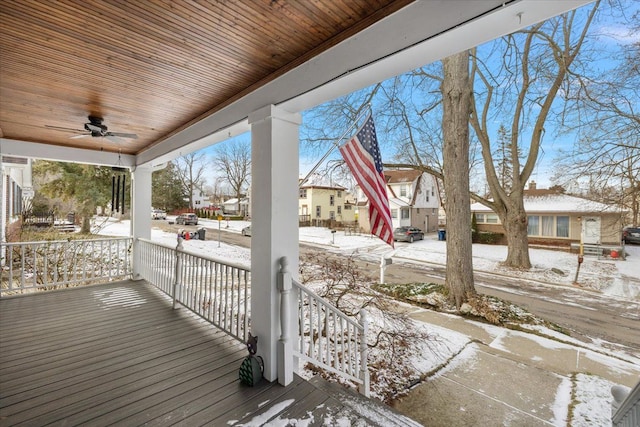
{"x": 625, "y": 408}
{"x": 218, "y": 292}
{"x": 47, "y": 265}
{"x": 326, "y": 337}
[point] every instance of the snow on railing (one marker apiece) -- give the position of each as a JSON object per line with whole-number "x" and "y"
{"x": 48, "y": 265}
{"x": 327, "y": 337}
{"x": 625, "y": 408}
{"x": 218, "y": 292}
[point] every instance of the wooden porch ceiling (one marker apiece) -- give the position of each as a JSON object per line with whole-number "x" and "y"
{"x": 187, "y": 73}
{"x": 152, "y": 67}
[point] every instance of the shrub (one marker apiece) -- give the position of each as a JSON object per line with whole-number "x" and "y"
{"x": 487, "y": 237}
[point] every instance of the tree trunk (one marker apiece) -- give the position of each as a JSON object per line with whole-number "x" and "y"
{"x": 515, "y": 225}
{"x": 456, "y": 92}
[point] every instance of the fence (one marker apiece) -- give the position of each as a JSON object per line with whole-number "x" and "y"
{"x": 47, "y": 265}
{"x": 216, "y": 291}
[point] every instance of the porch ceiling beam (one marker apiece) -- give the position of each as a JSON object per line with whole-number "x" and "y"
{"x": 34, "y": 150}
{"x": 399, "y": 43}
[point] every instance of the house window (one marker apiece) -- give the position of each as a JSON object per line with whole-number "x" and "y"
{"x": 305, "y": 210}
{"x": 332, "y": 215}
{"x": 403, "y": 190}
{"x": 488, "y": 218}
{"x": 394, "y": 213}
{"x": 339, "y": 193}
{"x": 404, "y": 213}
{"x": 547, "y": 226}
{"x": 318, "y": 211}
{"x": 347, "y": 207}
{"x": 303, "y": 193}
{"x": 562, "y": 226}
{"x": 533, "y": 226}
{"x": 339, "y": 210}
{"x": 332, "y": 200}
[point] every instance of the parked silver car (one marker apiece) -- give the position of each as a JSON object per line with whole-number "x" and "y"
{"x": 246, "y": 231}
{"x": 187, "y": 219}
{"x": 407, "y": 234}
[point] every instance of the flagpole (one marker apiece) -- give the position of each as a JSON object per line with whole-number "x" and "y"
{"x": 336, "y": 144}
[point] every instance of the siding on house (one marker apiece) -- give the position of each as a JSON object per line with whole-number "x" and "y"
{"x": 323, "y": 200}
{"x": 16, "y": 178}
{"x": 413, "y": 199}
{"x": 557, "y": 219}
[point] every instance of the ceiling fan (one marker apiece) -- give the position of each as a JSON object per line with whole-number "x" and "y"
{"x": 95, "y": 129}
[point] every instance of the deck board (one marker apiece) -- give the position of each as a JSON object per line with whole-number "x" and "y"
{"x": 118, "y": 354}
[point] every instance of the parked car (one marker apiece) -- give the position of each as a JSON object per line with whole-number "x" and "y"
{"x": 187, "y": 219}
{"x": 631, "y": 235}
{"x": 407, "y": 234}
{"x": 158, "y": 214}
{"x": 246, "y": 231}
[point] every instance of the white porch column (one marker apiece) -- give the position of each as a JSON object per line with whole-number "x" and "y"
{"x": 274, "y": 214}
{"x": 140, "y": 212}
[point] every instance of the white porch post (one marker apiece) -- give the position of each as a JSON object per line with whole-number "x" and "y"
{"x": 274, "y": 210}
{"x": 140, "y": 212}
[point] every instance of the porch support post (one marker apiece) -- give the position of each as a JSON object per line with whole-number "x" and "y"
{"x": 140, "y": 213}
{"x": 274, "y": 208}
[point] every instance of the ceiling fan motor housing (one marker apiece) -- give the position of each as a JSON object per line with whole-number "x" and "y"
{"x": 95, "y": 126}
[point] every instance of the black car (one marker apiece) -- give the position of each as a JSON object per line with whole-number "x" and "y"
{"x": 631, "y": 235}
{"x": 407, "y": 234}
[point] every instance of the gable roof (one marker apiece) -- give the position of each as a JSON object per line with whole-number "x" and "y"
{"x": 402, "y": 175}
{"x": 321, "y": 181}
{"x": 557, "y": 203}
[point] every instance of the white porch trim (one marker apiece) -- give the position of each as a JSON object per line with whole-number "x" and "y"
{"x": 274, "y": 154}
{"x": 140, "y": 213}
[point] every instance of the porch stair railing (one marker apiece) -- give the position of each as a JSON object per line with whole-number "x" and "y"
{"x": 47, "y": 265}
{"x": 625, "y": 408}
{"x": 326, "y": 337}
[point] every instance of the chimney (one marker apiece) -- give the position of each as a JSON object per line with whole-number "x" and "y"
{"x": 532, "y": 185}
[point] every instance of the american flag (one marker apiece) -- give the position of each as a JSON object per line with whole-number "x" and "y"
{"x": 362, "y": 155}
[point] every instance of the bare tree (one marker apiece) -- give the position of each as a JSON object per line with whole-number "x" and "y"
{"x": 536, "y": 64}
{"x": 456, "y": 92}
{"x": 190, "y": 169}
{"x": 234, "y": 161}
{"x": 605, "y": 118}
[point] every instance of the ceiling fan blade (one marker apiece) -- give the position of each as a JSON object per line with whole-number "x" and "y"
{"x": 123, "y": 135}
{"x": 113, "y": 138}
{"x": 64, "y": 129}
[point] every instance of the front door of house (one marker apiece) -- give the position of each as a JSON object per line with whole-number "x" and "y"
{"x": 591, "y": 230}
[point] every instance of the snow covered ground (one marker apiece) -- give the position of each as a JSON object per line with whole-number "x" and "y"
{"x": 616, "y": 278}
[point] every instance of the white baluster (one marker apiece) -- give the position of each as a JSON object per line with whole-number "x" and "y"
{"x": 285, "y": 353}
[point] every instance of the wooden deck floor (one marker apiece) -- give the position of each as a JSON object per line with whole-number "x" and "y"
{"x": 117, "y": 354}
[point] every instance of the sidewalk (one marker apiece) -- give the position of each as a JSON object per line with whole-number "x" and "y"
{"x": 506, "y": 377}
